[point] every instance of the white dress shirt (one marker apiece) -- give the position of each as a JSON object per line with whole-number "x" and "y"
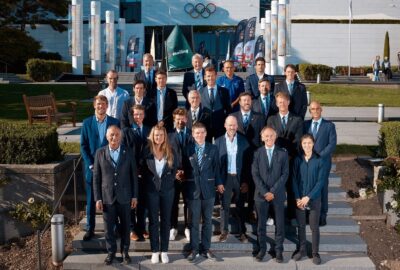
{"x": 116, "y": 100}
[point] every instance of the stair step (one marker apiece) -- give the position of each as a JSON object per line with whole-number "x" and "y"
{"x": 334, "y": 180}
{"x": 339, "y": 208}
{"x": 336, "y": 194}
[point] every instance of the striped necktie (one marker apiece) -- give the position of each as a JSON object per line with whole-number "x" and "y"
{"x": 315, "y": 129}
{"x": 200, "y": 156}
{"x": 198, "y": 81}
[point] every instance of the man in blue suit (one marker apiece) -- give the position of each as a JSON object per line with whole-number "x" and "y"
{"x": 265, "y": 103}
{"x": 93, "y": 136}
{"x": 270, "y": 170}
{"x": 194, "y": 79}
{"x": 324, "y": 133}
{"x": 201, "y": 171}
{"x": 251, "y": 85}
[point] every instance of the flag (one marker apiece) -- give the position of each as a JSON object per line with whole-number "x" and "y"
{"x": 228, "y": 50}
{"x": 350, "y": 10}
{"x": 179, "y": 53}
{"x": 153, "y": 46}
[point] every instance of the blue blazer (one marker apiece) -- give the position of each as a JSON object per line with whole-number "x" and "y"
{"x": 175, "y": 143}
{"x": 298, "y": 99}
{"x": 257, "y": 106}
{"x": 251, "y": 85}
{"x": 189, "y": 81}
{"x": 270, "y": 178}
{"x": 243, "y": 158}
{"x": 90, "y": 141}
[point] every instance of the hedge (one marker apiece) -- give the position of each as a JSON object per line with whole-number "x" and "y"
{"x": 361, "y": 70}
{"x": 44, "y": 70}
{"x": 310, "y": 72}
{"x": 21, "y": 143}
{"x": 390, "y": 139}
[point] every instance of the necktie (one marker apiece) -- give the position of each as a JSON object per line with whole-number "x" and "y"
{"x": 200, "y": 156}
{"x": 245, "y": 120}
{"x": 314, "y": 129}
{"x": 284, "y": 122}
{"x": 212, "y": 97}
{"x": 269, "y": 152}
{"x": 161, "y": 107}
{"x": 181, "y": 138}
{"x": 264, "y": 105}
{"x": 290, "y": 88}
{"x": 194, "y": 118}
{"x": 198, "y": 81}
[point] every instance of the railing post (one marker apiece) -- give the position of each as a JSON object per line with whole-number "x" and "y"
{"x": 75, "y": 196}
{"x": 57, "y": 239}
{"x": 381, "y": 113}
{"x": 38, "y": 250}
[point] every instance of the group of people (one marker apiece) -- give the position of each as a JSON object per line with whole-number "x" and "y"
{"x": 385, "y": 67}
{"x": 235, "y": 141}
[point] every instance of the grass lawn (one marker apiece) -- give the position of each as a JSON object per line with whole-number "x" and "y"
{"x": 354, "y": 95}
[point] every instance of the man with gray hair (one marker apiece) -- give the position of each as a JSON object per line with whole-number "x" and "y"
{"x": 193, "y": 79}
{"x": 197, "y": 113}
{"x": 148, "y": 75}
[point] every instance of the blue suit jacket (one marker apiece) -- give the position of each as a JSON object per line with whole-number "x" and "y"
{"x": 270, "y": 178}
{"x": 251, "y": 85}
{"x": 256, "y": 106}
{"x": 298, "y": 99}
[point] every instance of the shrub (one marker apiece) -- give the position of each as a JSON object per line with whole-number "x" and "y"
{"x": 24, "y": 144}
{"x": 310, "y": 72}
{"x": 49, "y": 55}
{"x": 34, "y": 212}
{"x": 361, "y": 70}
{"x": 389, "y": 142}
{"x": 44, "y": 70}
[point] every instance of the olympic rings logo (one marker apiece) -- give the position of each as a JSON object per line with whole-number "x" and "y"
{"x": 200, "y": 9}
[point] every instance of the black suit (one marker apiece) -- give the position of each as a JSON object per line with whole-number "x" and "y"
{"x": 298, "y": 98}
{"x": 151, "y": 86}
{"x": 204, "y": 117}
{"x": 127, "y": 114}
{"x": 257, "y": 106}
{"x": 170, "y": 104}
{"x": 253, "y": 129}
{"x": 251, "y": 85}
{"x": 189, "y": 81}
{"x": 115, "y": 185}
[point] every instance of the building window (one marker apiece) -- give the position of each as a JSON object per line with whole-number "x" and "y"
{"x": 264, "y": 5}
{"x": 131, "y": 10}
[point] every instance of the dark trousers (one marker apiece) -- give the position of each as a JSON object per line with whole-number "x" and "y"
{"x": 200, "y": 208}
{"x": 138, "y": 215}
{"x": 263, "y": 208}
{"x": 324, "y": 191}
{"x": 232, "y": 187}
{"x": 90, "y": 207}
{"x": 112, "y": 212}
{"x": 160, "y": 205}
{"x": 315, "y": 209}
{"x": 179, "y": 189}
{"x": 250, "y": 198}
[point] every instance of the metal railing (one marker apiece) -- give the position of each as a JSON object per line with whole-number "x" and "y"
{"x": 55, "y": 209}
{"x": 6, "y": 65}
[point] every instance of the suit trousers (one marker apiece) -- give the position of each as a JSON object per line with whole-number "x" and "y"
{"x": 160, "y": 205}
{"x": 90, "y": 207}
{"x": 263, "y": 208}
{"x": 232, "y": 187}
{"x": 179, "y": 189}
{"x": 324, "y": 191}
{"x": 200, "y": 209}
{"x": 315, "y": 209}
{"x": 138, "y": 215}
{"x": 112, "y": 212}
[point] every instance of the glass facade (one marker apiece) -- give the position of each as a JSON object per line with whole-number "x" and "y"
{"x": 264, "y": 5}
{"x": 131, "y": 10}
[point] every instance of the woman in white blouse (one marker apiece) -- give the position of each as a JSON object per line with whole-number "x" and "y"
{"x": 159, "y": 170}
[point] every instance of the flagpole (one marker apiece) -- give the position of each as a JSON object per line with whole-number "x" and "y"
{"x": 350, "y": 18}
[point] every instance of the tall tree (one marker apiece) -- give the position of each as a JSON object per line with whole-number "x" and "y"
{"x": 386, "y": 46}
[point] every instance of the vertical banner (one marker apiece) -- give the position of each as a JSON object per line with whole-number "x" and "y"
{"x": 259, "y": 48}
{"x": 238, "y": 43}
{"x": 267, "y": 37}
{"x": 282, "y": 28}
{"x": 120, "y": 56}
{"x": 132, "y": 49}
{"x": 249, "y": 41}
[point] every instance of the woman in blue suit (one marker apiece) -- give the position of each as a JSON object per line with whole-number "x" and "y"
{"x": 308, "y": 180}
{"x": 159, "y": 171}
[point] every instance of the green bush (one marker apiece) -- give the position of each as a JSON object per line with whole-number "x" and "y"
{"x": 309, "y": 72}
{"x": 44, "y": 70}
{"x": 361, "y": 70}
{"x": 24, "y": 144}
{"x": 389, "y": 141}
{"x": 49, "y": 55}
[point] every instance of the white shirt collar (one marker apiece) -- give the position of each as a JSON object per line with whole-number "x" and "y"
{"x": 281, "y": 115}
{"x": 116, "y": 150}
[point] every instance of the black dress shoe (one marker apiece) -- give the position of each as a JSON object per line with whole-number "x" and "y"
{"x": 109, "y": 259}
{"x": 279, "y": 257}
{"x": 193, "y": 257}
{"x": 210, "y": 255}
{"x": 127, "y": 259}
{"x": 260, "y": 256}
{"x": 298, "y": 254}
{"x": 322, "y": 222}
{"x": 316, "y": 259}
{"x": 88, "y": 236}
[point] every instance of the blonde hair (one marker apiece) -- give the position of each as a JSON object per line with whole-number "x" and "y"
{"x": 165, "y": 146}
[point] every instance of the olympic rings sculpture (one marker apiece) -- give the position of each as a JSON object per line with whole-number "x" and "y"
{"x": 200, "y": 9}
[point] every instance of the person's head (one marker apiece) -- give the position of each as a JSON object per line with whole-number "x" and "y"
{"x": 268, "y": 136}
{"x": 229, "y": 68}
{"x": 148, "y": 61}
{"x": 264, "y": 86}
{"x": 194, "y": 99}
{"x": 210, "y": 76}
{"x": 197, "y": 62}
{"x": 113, "y": 136}
{"x": 386, "y": 58}
{"x": 377, "y": 57}
{"x": 260, "y": 65}
{"x": 199, "y": 133}
{"x": 307, "y": 143}
{"x": 112, "y": 79}
{"x": 290, "y": 72}
{"x": 161, "y": 79}
{"x": 158, "y": 139}
{"x": 282, "y": 102}
{"x": 139, "y": 88}
{"x": 315, "y": 110}
{"x": 231, "y": 126}
{"x": 245, "y": 101}
{"x": 138, "y": 114}
{"x": 180, "y": 118}
{"x": 100, "y": 105}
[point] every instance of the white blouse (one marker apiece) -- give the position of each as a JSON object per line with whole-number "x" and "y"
{"x": 160, "y": 166}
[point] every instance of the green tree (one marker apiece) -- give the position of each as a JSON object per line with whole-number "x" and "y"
{"x": 386, "y": 46}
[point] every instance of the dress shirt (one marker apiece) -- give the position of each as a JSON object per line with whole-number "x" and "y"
{"x": 231, "y": 149}
{"x": 286, "y": 117}
{"x": 114, "y": 154}
{"x": 214, "y": 90}
{"x": 138, "y": 102}
{"x": 260, "y": 76}
{"x": 290, "y": 86}
{"x": 116, "y": 100}
{"x": 266, "y": 103}
{"x": 101, "y": 126}
{"x": 312, "y": 124}
{"x": 272, "y": 152}
{"x": 160, "y": 166}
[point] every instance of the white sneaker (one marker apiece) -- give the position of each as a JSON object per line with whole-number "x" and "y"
{"x": 270, "y": 222}
{"x": 164, "y": 257}
{"x": 187, "y": 234}
{"x": 172, "y": 234}
{"x": 155, "y": 257}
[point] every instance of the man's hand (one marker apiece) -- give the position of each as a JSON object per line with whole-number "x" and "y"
{"x": 220, "y": 188}
{"x": 180, "y": 175}
{"x": 133, "y": 203}
{"x": 244, "y": 188}
{"x": 99, "y": 205}
{"x": 269, "y": 196}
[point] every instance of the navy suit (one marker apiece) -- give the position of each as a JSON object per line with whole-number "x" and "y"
{"x": 252, "y": 132}
{"x": 204, "y": 117}
{"x": 127, "y": 113}
{"x": 232, "y": 182}
{"x": 151, "y": 86}
{"x": 257, "y": 106}
{"x": 200, "y": 189}
{"x": 298, "y": 98}
{"x": 251, "y": 85}
{"x": 189, "y": 81}
{"x": 90, "y": 142}
{"x": 170, "y": 104}
{"x": 324, "y": 146}
{"x": 270, "y": 176}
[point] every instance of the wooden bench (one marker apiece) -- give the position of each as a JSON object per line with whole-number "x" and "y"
{"x": 44, "y": 108}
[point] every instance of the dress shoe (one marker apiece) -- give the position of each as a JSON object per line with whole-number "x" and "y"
{"x": 187, "y": 234}
{"x": 88, "y": 236}
{"x": 322, "y": 222}
{"x": 210, "y": 255}
{"x": 243, "y": 238}
{"x": 316, "y": 259}
{"x": 134, "y": 236}
{"x": 279, "y": 257}
{"x": 146, "y": 235}
{"x": 193, "y": 257}
{"x": 155, "y": 257}
{"x": 260, "y": 256}
{"x": 127, "y": 258}
{"x": 164, "y": 257}
{"x": 223, "y": 237}
{"x": 109, "y": 259}
{"x": 172, "y": 234}
{"x": 298, "y": 254}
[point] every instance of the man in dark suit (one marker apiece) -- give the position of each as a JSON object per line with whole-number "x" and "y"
{"x": 198, "y": 113}
{"x": 216, "y": 99}
{"x": 135, "y": 138}
{"x": 115, "y": 190}
{"x": 201, "y": 170}
{"x": 148, "y": 75}
{"x": 235, "y": 161}
{"x": 325, "y": 139}
{"x": 270, "y": 170}
{"x": 165, "y": 101}
{"x": 251, "y": 85}
{"x": 194, "y": 79}
{"x": 296, "y": 91}
{"x": 179, "y": 138}
{"x": 265, "y": 103}
{"x": 93, "y": 136}
{"x": 139, "y": 98}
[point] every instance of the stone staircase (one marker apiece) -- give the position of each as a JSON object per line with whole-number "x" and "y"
{"x": 341, "y": 247}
